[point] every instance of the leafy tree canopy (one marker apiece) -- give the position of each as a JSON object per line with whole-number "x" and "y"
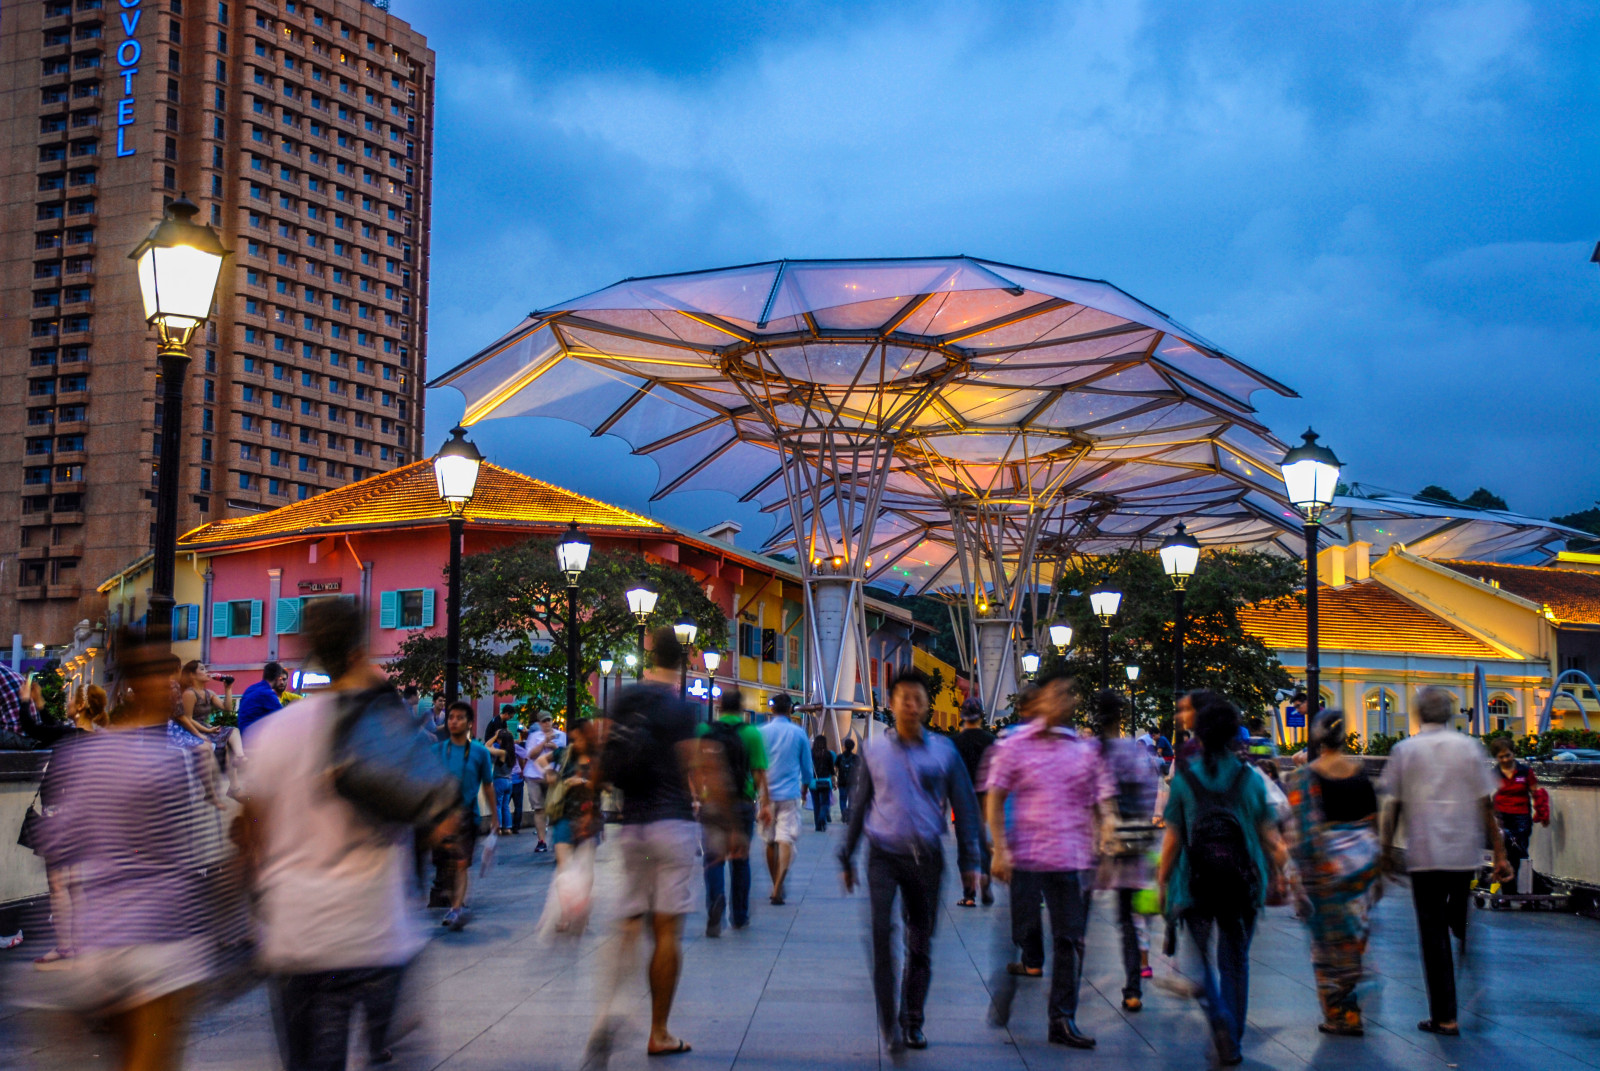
{"x": 515, "y": 595}
{"x": 1482, "y": 498}
{"x": 1218, "y": 653}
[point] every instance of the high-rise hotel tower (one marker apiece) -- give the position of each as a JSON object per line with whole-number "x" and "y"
{"x": 302, "y": 130}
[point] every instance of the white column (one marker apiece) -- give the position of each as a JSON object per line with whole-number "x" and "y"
{"x": 835, "y": 623}
{"x": 996, "y": 665}
{"x": 274, "y": 591}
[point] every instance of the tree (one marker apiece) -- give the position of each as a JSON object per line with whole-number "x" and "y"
{"x": 516, "y": 595}
{"x": 1434, "y": 493}
{"x": 1587, "y": 520}
{"x": 1482, "y": 498}
{"x": 1217, "y": 652}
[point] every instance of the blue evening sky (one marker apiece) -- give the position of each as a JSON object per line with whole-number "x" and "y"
{"x": 1389, "y": 206}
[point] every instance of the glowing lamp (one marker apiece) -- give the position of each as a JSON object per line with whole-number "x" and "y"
{"x": 630, "y": 660}
{"x": 712, "y": 660}
{"x": 1133, "y": 673}
{"x": 455, "y": 469}
{"x": 1030, "y": 661}
{"x": 1104, "y": 601}
{"x": 606, "y": 666}
{"x": 178, "y": 265}
{"x": 685, "y": 631}
{"x": 1061, "y": 637}
{"x": 572, "y": 554}
{"x": 1180, "y": 554}
{"x": 1310, "y": 476}
{"x": 641, "y": 602}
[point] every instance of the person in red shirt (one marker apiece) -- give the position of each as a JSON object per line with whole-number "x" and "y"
{"x": 1514, "y": 803}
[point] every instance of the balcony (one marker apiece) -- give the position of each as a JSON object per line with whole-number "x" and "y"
{"x": 72, "y": 397}
{"x": 30, "y": 592}
{"x": 68, "y": 487}
{"x": 73, "y": 517}
{"x": 69, "y": 457}
{"x": 70, "y": 427}
{"x": 40, "y": 519}
{"x": 72, "y": 590}
{"x": 27, "y": 554}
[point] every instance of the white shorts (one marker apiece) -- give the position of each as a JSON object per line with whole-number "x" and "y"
{"x": 785, "y": 825}
{"x": 108, "y": 981}
{"x": 658, "y": 867}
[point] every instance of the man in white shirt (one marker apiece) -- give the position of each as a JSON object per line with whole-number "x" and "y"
{"x": 546, "y": 740}
{"x": 1441, "y": 785}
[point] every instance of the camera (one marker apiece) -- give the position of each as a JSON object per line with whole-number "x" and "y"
{"x": 224, "y": 678}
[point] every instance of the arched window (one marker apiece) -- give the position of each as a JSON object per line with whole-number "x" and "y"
{"x": 1502, "y": 712}
{"x": 1383, "y": 715}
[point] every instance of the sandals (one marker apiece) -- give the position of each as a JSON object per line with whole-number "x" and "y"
{"x": 676, "y": 1050}
{"x": 1132, "y": 1004}
{"x": 1428, "y": 1026}
{"x": 966, "y": 901}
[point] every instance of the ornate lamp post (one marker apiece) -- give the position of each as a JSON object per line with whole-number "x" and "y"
{"x": 572, "y": 554}
{"x": 1311, "y": 476}
{"x": 606, "y": 665}
{"x": 178, "y": 264}
{"x": 685, "y": 630}
{"x": 641, "y": 603}
{"x": 455, "y": 470}
{"x": 712, "y": 659}
{"x": 1030, "y": 662}
{"x": 1180, "y": 555}
{"x": 1104, "y": 600}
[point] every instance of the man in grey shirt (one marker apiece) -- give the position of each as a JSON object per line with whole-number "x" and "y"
{"x": 907, "y": 782}
{"x": 1440, "y": 784}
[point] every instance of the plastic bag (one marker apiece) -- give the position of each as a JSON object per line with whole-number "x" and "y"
{"x": 567, "y": 904}
{"x": 487, "y": 863}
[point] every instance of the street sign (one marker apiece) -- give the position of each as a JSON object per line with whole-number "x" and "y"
{"x": 541, "y": 647}
{"x": 1294, "y": 719}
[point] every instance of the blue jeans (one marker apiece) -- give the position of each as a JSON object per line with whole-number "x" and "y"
{"x": 739, "y": 870}
{"x": 502, "y": 801}
{"x": 821, "y": 799}
{"x": 1226, "y": 972}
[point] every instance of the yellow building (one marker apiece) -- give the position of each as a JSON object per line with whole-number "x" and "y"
{"x": 1393, "y": 625}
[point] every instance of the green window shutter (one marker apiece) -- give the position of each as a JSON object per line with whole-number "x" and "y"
{"x": 389, "y": 609}
{"x": 427, "y": 607}
{"x": 220, "y": 612}
{"x": 255, "y": 617}
{"x": 193, "y": 632}
{"x": 175, "y": 629}
{"x": 288, "y": 616}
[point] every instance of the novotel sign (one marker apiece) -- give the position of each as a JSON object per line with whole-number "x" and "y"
{"x": 128, "y": 53}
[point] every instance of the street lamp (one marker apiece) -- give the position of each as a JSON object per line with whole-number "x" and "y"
{"x": 685, "y": 631}
{"x": 455, "y": 472}
{"x": 1104, "y": 601}
{"x": 712, "y": 660}
{"x": 606, "y": 665}
{"x": 572, "y": 555}
{"x": 1180, "y": 555}
{"x": 1030, "y": 661}
{"x": 1061, "y": 638}
{"x": 1311, "y": 476}
{"x": 178, "y": 262}
{"x": 641, "y": 603}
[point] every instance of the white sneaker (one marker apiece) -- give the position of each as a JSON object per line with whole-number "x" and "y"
{"x": 11, "y": 942}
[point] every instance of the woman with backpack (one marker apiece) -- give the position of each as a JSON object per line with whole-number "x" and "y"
{"x": 1333, "y": 827}
{"x": 1518, "y": 803}
{"x": 822, "y": 785}
{"x": 1215, "y": 872}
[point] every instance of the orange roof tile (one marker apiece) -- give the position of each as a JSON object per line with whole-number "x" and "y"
{"x": 408, "y": 497}
{"x": 1363, "y": 616}
{"x": 1573, "y": 595}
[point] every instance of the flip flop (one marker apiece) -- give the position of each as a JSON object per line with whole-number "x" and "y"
{"x": 966, "y": 901}
{"x": 681, "y": 1047}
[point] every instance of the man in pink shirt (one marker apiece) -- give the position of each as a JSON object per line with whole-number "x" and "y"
{"x": 1060, "y": 793}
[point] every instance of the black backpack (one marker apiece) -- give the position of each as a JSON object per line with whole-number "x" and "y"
{"x": 624, "y": 761}
{"x": 382, "y": 764}
{"x": 1223, "y": 879}
{"x": 735, "y": 756}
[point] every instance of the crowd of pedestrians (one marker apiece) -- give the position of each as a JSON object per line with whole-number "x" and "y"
{"x": 294, "y": 840}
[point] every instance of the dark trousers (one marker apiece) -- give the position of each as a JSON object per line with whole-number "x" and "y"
{"x": 844, "y": 802}
{"x": 516, "y": 804}
{"x": 738, "y": 878}
{"x": 915, "y": 877}
{"x": 1517, "y": 830}
{"x": 1440, "y": 897}
{"x": 1066, "y": 895}
{"x": 312, "y": 1013}
{"x": 1126, "y": 919}
{"x": 1226, "y": 973}
{"x": 821, "y": 803}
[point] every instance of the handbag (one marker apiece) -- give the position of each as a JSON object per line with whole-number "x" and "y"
{"x": 28, "y": 835}
{"x": 383, "y": 767}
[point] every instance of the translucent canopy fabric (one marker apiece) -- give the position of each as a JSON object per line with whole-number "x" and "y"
{"x": 961, "y": 360}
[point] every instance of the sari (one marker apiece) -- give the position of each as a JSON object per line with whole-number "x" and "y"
{"x": 1339, "y": 867}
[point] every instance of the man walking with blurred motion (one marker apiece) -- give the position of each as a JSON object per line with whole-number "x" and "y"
{"x": 650, "y": 756}
{"x": 733, "y": 791}
{"x": 1439, "y": 783}
{"x": 1059, "y": 789}
{"x": 789, "y": 771}
{"x": 472, "y": 764}
{"x": 909, "y": 779}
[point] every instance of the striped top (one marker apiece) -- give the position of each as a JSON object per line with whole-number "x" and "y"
{"x": 128, "y": 815}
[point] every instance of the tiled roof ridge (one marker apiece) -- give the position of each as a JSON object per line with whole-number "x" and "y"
{"x": 316, "y": 506}
{"x": 647, "y": 521}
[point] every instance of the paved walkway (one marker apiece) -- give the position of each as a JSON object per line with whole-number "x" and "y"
{"x": 793, "y": 992}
